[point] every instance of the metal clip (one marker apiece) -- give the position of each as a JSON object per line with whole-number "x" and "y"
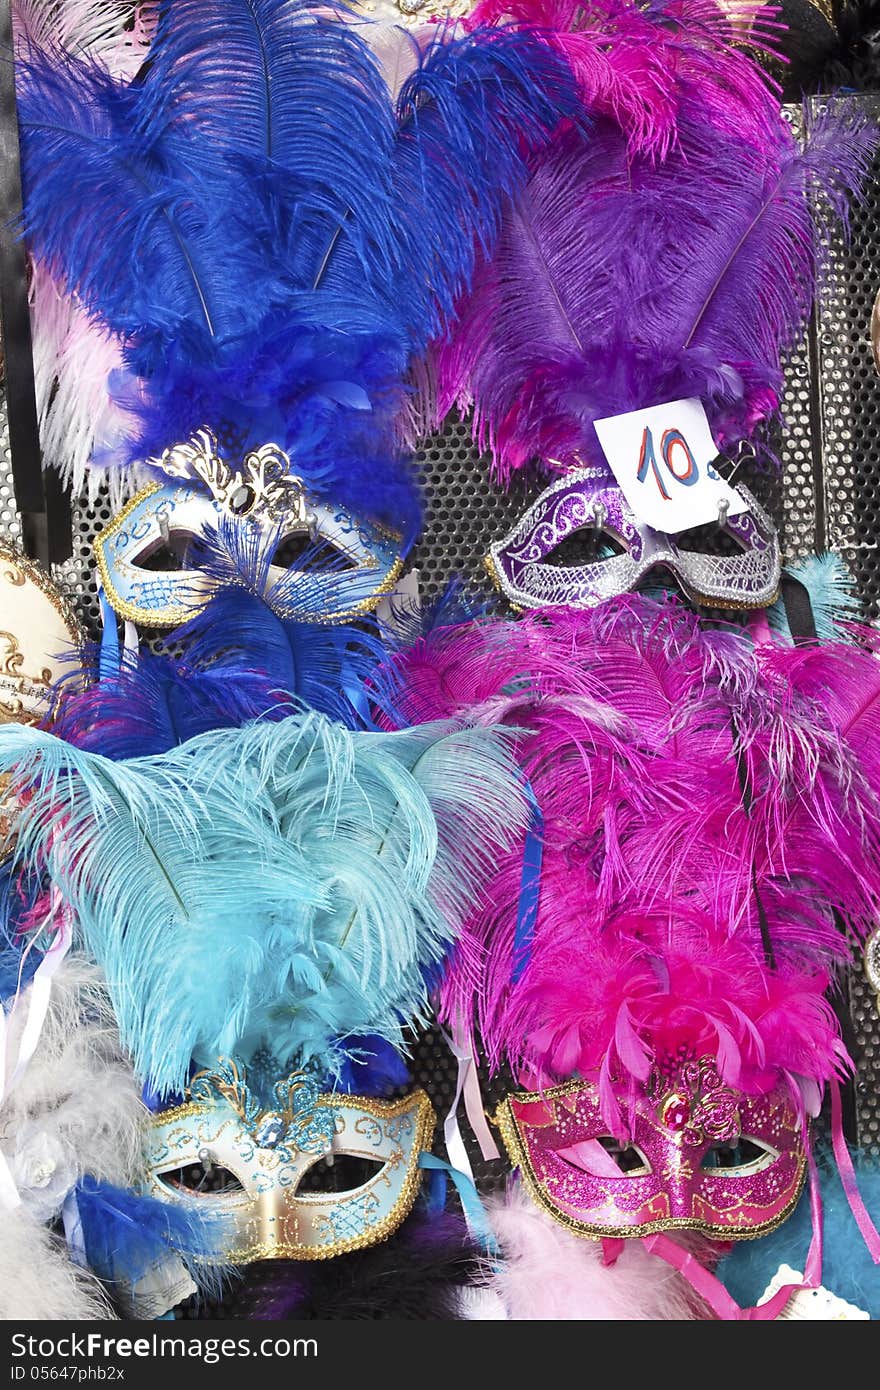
{"x": 723, "y": 509}
{"x": 746, "y": 454}
{"x": 599, "y": 514}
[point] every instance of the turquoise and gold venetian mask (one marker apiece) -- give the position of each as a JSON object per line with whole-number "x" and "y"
{"x": 265, "y": 1209}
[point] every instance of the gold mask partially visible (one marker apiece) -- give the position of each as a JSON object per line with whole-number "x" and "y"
{"x": 38, "y": 629}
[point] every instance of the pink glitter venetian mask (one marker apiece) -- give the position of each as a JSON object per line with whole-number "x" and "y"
{"x": 700, "y": 1157}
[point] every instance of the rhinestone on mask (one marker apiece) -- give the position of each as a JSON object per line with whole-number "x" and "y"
{"x": 675, "y": 1112}
{"x": 270, "y": 1130}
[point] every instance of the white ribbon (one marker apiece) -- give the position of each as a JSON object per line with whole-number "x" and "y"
{"x": 73, "y": 1232}
{"x": 130, "y": 643}
{"x": 468, "y": 1086}
{"x": 9, "y": 1196}
{"x": 38, "y": 995}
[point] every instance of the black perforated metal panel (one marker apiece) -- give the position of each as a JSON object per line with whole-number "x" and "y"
{"x": 844, "y": 390}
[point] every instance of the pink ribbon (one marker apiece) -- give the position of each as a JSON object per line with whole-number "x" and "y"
{"x": 612, "y": 1249}
{"x": 713, "y": 1292}
{"x": 759, "y": 627}
{"x": 861, "y": 1215}
{"x": 591, "y": 1157}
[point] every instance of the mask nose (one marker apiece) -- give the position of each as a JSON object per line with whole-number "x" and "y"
{"x": 680, "y": 1169}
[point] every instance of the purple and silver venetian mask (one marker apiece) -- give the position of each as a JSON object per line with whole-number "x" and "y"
{"x": 523, "y": 566}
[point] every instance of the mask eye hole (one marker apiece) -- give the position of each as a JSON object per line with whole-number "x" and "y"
{"x": 299, "y": 550}
{"x": 201, "y": 1180}
{"x": 746, "y": 1155}
{"x": 710, "y": 539}
{"x": 602, "y": 1156}
{"x": 628, "y": 1158}
{"x": 586, "y": 546}
{"x": 177, "y": 551}
{"x": 340, "y": 1173}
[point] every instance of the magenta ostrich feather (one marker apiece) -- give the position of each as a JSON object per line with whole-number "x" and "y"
{"x": 615, "y": 52}
{"x": 632, "y": 720}
{"x": 641, "y": 987}
{"x": 634, "y": 63}
{"x": 843, "y": 682}
{"x": 621, "y": 280}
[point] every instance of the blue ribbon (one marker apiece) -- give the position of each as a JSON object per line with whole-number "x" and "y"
{"x": 357, "y": 698}
{"x": 435, "y": 1188}
{"x": 529, "y": 889}
{"x": 108, "y": 660}
{"x": 472, "y": 1206}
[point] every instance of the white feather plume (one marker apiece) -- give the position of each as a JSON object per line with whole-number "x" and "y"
{"x": 76, "y": 1109}
{"x": 73, "y": 359}
{"x": 38, "y": 1281}
{"x": 548, "y": 1273}
{"x": 113, "y": 31}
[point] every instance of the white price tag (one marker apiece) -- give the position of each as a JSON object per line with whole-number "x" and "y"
{"x": 662, "y": 458}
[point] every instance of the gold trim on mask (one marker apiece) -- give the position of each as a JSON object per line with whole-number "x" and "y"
{"x": 16, "y": 570}
{"x": 521, "y": 1159}
{"x": 269, "y": 1207}
{"x": 132, "y": 612}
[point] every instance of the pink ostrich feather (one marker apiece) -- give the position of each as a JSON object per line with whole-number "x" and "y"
{"x": 631, "y": 720}
{"x": 615, "y": 52}
{"x": 634, "y": 65}
{"x": 115, "y": 32}
{"x": 639, "y": 988}
{"x": 73, "y": 360}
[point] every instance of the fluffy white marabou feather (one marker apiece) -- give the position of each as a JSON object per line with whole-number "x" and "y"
{"x": 549, "y": 1274}
{"x": 77, "y": 1108}
{"x": 37, "y": 1279}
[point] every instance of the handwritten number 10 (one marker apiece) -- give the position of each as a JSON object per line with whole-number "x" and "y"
{"x": 675, "y": 455}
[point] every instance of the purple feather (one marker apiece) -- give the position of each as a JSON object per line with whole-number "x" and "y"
{"x": 620, "y": 282}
